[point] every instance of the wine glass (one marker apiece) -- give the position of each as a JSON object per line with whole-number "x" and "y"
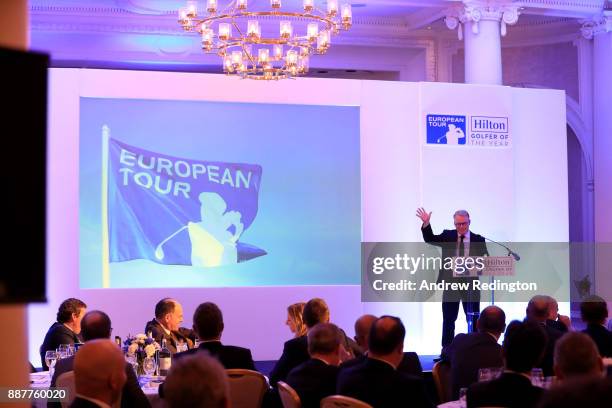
{"x": 50, "y": 359}
{"x": 62, "y": 351}
{"x": 463, "y": 397}
{"x": 181, "y": 346}
{"x": 71, "y": 349}
{"x": 537, "y": 377}
{"x": 148, "y": 366}
{"x": 133, "y": 361}
{"x": 484, "y": 374}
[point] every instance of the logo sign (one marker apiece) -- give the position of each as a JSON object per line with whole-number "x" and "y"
{"x": 486, "y": 131}
{"x": 446, "y": 129}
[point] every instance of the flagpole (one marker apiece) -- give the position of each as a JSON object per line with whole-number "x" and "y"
{"x": 104, "y": 207}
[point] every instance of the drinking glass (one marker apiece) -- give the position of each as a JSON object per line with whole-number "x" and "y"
{"x": 62, "y": 351}
{"x": 181, "y": 346}
{"x": 537, "y": 377}
{"x": 50, "y": 359}
{"x": 71, "y": 350}
{"x": 148, "y": 366}
{"x": 133, "y": 361}
{"x": 463, "y": 397}
{"x": 496, "y": 372}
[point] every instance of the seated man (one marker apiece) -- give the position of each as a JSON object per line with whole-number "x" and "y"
{"x": 66, "y": 329}
{"x": 97, "y": 325}
{"x": 99, "y": 374}
{"x": 197, "y": 381}
{"x": 315, "y": 379}
{"x": 376, "y": 380}
{"x": 168, "y": 317}
{"x": 537, "y": 311}
{"x": 555, "y": 319}
{"x": 208, "y": 324}
{"x": 576, "y": 356}
{"x": 472, "y": 351}
{"x": 295, "y": 351}
{"x": 410, "y": 364}
{"x": 523, "y": 348}
{"x": 594, "y": 312}
{"x": 588, "y": 392}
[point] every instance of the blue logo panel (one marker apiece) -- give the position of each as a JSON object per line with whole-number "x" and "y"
{"x": 446, "y": 129}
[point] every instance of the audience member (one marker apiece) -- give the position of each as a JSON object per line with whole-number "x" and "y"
{"x": 295, "y": 351}
{"x": 576, "y": 355}
{"x": 376, "y": 380}
{"x": 555, "y": 319}
{"x": 315, "y": 379}
{"x": 99, "y": 374}
{"x": 524, "y": 346}
{"x": 197, "y": 381}
{"x": 470, "y": 352}
{"x": 66, "y": 329}
{"x": 410, "y": 364}
{"x": 586, "y": 392}
{"x": 208, "y": 324}
{"x": 537, "y": 311}
{"x": 168, "y": 317}
{"x": 97, "y": 325}
{"x": 294, "y": 319}
{"x": 594, "y": 312}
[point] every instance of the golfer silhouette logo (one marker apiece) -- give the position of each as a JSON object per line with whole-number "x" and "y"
{"x": 452, "y": 135}
{"x": 212, "y": 241}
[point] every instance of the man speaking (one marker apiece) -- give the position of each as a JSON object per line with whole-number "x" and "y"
{"x": 460, "y": 242}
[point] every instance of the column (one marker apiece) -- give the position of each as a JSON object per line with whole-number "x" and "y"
{"x": 599, "y": 29}
{"x": 482, "y": 24}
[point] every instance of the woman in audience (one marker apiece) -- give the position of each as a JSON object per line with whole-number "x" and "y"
{"x": 294, "y": 319}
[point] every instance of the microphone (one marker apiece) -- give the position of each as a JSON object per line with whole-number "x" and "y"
{"x": 510, "y": 252}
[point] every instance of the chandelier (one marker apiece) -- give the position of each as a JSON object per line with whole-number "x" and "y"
{"x": 266, "y": 44}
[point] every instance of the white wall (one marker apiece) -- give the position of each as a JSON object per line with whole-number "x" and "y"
{"x": 393, "y": 186}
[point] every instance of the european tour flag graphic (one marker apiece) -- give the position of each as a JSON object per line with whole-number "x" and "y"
{"x": 179, "y": 211}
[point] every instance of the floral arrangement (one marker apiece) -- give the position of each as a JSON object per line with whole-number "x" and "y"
{"x": 140, "y": 346}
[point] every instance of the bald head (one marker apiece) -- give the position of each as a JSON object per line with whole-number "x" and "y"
{"x": 492, "y": 320}
{"x": 363, "y": 325}
{"x": 99, "y": 370}
{"x": 537, "y": 309}
{"x": 95, "y": 325}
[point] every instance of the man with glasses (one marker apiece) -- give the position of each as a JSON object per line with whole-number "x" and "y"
{"x": 460, "y": 242}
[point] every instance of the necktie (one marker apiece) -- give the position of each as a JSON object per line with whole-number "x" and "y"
{"x": 461, "y": 247}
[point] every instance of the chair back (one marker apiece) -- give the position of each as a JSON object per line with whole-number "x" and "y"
{"x": 247, "y": 388}
{"x": 340, "y": 401}
{"x": 66, "y": 380}
{"x": 441, "y": 373}
{"x": 288, "y": 396}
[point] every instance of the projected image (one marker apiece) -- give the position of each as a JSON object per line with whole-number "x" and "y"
{"x": 181, "y": 194}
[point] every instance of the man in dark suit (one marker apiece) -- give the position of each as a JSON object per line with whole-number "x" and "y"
{"x": 315, "y": 379}
{"x": 523, "y": 348}
{"x": 97, "y": 325}
{"x": 470, "y": 352}
{"x": 594, "y": 312}
{"x": 208, "y": 324}
{"x": 410, "y": 363}
{"x": 166, "y": 325}
{"x": 537, "y": 311}
{"x": 376, "y": 380}
{"x": 99, "y": 374}
{"x": 295, "y": 351}
{"x": 460, "y": 242}
{"x": 66, "y": 329}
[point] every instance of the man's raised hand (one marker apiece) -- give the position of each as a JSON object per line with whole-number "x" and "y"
{"x": 424, "y": 216}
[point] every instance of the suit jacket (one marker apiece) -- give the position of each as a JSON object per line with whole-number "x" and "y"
{"x": 447, "y": 240}
{"x": 380, "y": 385}
{"x": 313, "y": 380}
{"x": 159, "y": 334}
{"x": 557, "y": 324}
{"x": 510, "y": 390}
{"x": 602, "y": 337}
{"x": 547, "y": 361}
{"x": 295, "y": 352}
{"x": 410, "y": 364}
{"x": 131, "y": 395}
{"x": 57, "y": 334}
{"x": 467, "y": 354}
{"x": 228, "y": 356}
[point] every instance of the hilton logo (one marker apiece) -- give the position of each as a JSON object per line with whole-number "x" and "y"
{"x": 487, "y": 131}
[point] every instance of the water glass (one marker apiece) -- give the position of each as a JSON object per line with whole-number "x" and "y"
{"x": 196, "y": 344}
{"x": 181, "y": 346}
{"x": 484, "y": 374}
{"x": 71, "y": 350}
{"x": 50, "y": 359}
{"x": 149, "y": 366}
{"x": 133, "y": 361}
{"x": 537, "y": 377}
{"x": 463, "y": 397}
